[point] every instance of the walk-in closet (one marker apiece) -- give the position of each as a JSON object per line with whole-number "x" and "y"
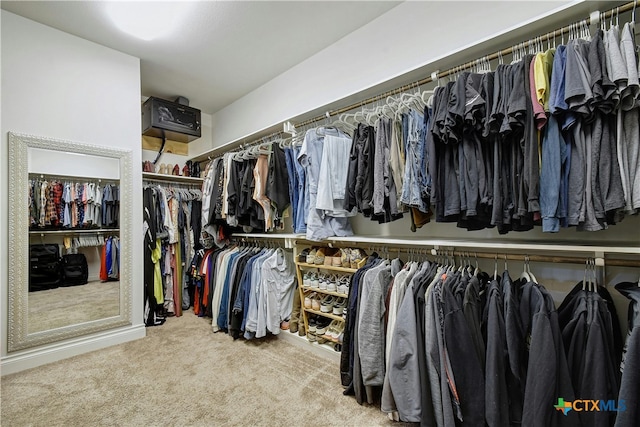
{"x": 320, "y": 213}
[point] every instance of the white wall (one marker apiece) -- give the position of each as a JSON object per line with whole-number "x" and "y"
{"x": 60, "y": 86}
{"x": 409, "y": 36}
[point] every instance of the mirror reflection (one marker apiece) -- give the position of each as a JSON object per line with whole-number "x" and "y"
{"x": 74, "y": 238}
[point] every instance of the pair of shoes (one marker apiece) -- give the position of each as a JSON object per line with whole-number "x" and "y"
{"x": 302, "y": 256}
{"x": 311, "y": 333}
{"x": 332, "y": 282}
{"x": 327, "y": 303}
{"x": 176, "y": 170}
{"x": 340, "y": 306}
{"x": 358, "y": 258}
{"x": 322, "y": 325}
{"x": 311, "y": 256}
{"x": 335, "y": 331}
{"x": 343, "y": 284}
{"x": 147, "y": 166}
{"x": 324, "y": 281}
{"x": 314, "y": 281}
{"x": 312, "y": 301}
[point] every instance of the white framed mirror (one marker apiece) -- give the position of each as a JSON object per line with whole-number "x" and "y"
{"x": 43, "y": 310}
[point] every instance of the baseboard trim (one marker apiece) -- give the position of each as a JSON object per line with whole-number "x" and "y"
{"x": 32, "y": 358}
{"x": 322, "y": 350}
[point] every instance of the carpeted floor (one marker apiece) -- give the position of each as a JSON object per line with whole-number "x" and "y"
{"x": 182, "y": 374}
{"x": 70, "y": 305}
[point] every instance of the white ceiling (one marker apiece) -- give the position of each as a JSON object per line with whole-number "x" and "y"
{"x": 224, "y": 50}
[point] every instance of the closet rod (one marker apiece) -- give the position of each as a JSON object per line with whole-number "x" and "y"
{"x": 543, "y": 258}
{"x": 613, "y": 262}
{"x": 559, "y": 32}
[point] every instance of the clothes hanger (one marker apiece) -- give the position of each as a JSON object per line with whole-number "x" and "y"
{"x": 525, "y": 274}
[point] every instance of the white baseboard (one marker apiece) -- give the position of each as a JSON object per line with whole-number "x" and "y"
{"x": 28, "y": 359}
{"x": 323, "y": 350}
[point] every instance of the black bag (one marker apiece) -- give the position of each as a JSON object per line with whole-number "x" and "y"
{"x": 45, "y": 268}
{"x": 75, "y": 270}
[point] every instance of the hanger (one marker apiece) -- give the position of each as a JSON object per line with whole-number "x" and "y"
{"x": 495, "y": 267}
{"x": 525, "y": 274}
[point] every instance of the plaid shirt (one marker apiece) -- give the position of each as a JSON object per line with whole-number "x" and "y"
{"x": 56, "y": 195}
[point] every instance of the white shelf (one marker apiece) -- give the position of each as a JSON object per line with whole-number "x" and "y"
{"x": 171, "y": 178}
{"x": 79, "y": 231}
{"x": 493, "y": 244}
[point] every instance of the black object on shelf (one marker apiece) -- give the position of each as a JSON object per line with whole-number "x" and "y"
{"x": 177, "y": 122}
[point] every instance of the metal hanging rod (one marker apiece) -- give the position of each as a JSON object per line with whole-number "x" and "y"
{"x": 242, "y": 146}
{"x": 549, "y": 36}
{"x": 542, "y": 258}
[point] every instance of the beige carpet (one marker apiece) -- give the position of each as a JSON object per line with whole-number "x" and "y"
{"x": 70, "y": 305}
{"x": 182, "y": 374}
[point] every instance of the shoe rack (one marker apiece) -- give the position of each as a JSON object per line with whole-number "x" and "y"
{"x": 303, "y": 271}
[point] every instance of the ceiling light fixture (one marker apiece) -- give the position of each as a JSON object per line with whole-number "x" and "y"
{"x": 147, "y": 20}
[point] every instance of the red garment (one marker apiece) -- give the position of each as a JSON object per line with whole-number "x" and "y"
{"x": 104, "y": 274}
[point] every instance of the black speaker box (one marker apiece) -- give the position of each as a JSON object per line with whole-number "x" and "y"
{"x": 177, "y": 122}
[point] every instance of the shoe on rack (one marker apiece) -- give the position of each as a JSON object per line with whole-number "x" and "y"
{"x": 302, "y": 256}
{"x": 345, "y": 257}
{"x": 322, "y": 281}
{"x": 339, "y": 332}
{"x": 316, "y": 302}
{"x": 343, "y": 284}
{"x": 313, "y": 280}
{"x": 320, "y": 255}
{"x": 331, "y": 330}
{"x": 312, "y": 326}
{"x": 176, "y": 170}
{"x": 326, "y": 306}
{"x": 339, "y": 306}
{"x": 305, "y": 279}
{"x": 311, "y": 257}
{"x": 358, "y": 258}
{"x": 328, "y": 256}
{"x": 322, "y": 326}
{"x": 336, "y": 259}
{"x": 336, "y": 333}
{"x": 162, "y": 169}
{"x": 308, "y": 298}
{"x": 332, "y": 283}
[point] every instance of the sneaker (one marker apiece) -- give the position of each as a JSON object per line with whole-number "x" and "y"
{"x": 305, "y": 279}
{"x": 358, "y": 258}
{"x": 326, "y": 306}
{"x": 336, "y": 259}
{"x": 340, "y": 305}
{"x": 308, "y": 298}
{"x": 343, "y": 285}
{"x": 331, "y": 330}
{"x": 322, "y": 326}
{"x": 329, "y": 255}
{"x": 332, "y": 283}
{"x": 320, "y": 256}
{"x": 316, "y": 303}
{"x": 302, "y": 257}
{"x": 322, "y": 282}
{"x": 313, "y": 280}
{"x": 311, "y": 257}
{"x": 312, "y": 326}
